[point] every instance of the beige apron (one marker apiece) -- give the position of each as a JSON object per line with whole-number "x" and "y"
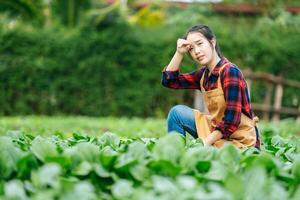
{"x": 244, "y": 136}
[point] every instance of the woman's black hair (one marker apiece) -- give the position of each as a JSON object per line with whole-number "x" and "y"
{"x": 207, "y": 33}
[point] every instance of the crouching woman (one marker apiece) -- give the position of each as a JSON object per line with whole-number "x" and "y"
{"x": 224, "y": 89}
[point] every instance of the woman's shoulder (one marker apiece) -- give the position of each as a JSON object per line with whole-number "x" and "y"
{"x": 231, "y": 69}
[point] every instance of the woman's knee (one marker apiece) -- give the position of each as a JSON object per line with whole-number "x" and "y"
{"x": 177, "y": 111}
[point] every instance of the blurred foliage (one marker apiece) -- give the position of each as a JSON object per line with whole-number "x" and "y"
{"x": 108, "y": 167}
{"x": 67, "y": 125}
{"x": 107, "y": 59}
{"x": 28, "y": 10}
{"x": 123, "y": 126}
{"x": 85, "y": 72}
{"x": 266, "y": 2}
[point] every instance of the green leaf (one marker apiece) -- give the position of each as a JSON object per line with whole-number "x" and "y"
{"x": 47, "y": 175}
{"x": 291, "y": 154}
{"x": 15, "y": 190}
{"x": 101, "y": 171}
{"x": 179, "y": 188}
{"x": 109, "y": 139}
{"x": 250, "y": 151}
{"x": 164, "y": 167}
{"x": 215, "y": 191}
{"x": 258, "y": 185}
{"x": 194, "y": 155}
{"x": 296, "y": 195}
{"x": 191, "y": 142}
{"x": 108, "y": 157}
{"x": 285, "y": 177}
{"x": 82, "y": 190}
{"x": 267, "y": 162}
{"x": 230, "y": 156}
{"x": 83, "y": 151}
{"x": 234, "y": 183}
{"x": 255, "y": 180}
{"x": 122, "y": 189}
{"x": 26, "y": 164}
{"x": 185, "y": 182}
{"x": 149, "y": 142}
{"x": 81, "y": 138}
{"x": 1, "y": 187}
{"x": 83, "y": 169}
{"x": 296, "y": 170}
{"x": 140, "y": 172}
{"x": 217, "y": 172}
{"x": 88, "y": 152}
{"x": 43, "y": 148}
{"x": 248, "y": 160}
{"x": 23, "y": 141}
{"x": 46, "y": 194}
{"x": 9, "y": 156}
{"x": 138, "y": 150}
{"x": 278, "y": 141}
{"x": 164, "y": 185}
{"x": 169, "y": 148}
{"x": 203, "y": 166}
{"x": 124, "y": 163}
{"x": 136, "y": 153}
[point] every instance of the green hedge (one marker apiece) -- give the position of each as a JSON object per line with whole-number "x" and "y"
{"x": 117, "y": 70}
{"x": 84, "y": 72}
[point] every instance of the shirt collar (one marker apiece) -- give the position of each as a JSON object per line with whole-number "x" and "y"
{"x": 217, "y": 67}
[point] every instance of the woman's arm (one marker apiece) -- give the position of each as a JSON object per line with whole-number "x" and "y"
{"x": 175, "y": 62}
{"x": 213, "y": 137}
{"x": 171, "y": 76}
{"x": 183, "y": 47}
{"x": 175, "y": 80}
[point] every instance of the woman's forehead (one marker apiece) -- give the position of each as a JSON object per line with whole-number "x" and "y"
{"x": 194, "y": 37}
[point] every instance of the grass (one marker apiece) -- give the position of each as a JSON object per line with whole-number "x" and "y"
{"x": 66, "y": 125}
{"x": 124, "y": 127}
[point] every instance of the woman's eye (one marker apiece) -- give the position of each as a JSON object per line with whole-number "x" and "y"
{"x": 199, "y": 44}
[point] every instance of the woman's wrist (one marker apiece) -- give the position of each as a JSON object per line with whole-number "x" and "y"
{"x": 213, "y": 137}
{"x": 179, "y": 54}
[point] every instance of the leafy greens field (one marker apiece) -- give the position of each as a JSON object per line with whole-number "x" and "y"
{"x": 110, "y": 166}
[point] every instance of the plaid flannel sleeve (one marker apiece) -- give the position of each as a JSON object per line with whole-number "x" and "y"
{"x": 176, "y": 80}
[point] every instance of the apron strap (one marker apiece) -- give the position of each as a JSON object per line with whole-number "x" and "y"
{"x": 201, "y": 83}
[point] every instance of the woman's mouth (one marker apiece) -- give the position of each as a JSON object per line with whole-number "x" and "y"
{"x": 200, "y": 58}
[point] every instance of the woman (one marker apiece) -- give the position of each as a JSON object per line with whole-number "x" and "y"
{"x": 223, "y": 87}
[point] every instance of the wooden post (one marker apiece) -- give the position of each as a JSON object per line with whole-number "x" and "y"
{"x": 267, "y": 101}
{"x": 249, "y": 84}
{"x": 277, "y": 102}
{"x": 298, "y": 118}
{"x": 247, "y": 74}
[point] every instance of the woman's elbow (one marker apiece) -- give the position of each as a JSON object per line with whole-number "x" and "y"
{"x": 164, "y": 82}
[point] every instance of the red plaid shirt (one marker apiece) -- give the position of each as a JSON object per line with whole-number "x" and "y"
{"x": 234, "y": 87}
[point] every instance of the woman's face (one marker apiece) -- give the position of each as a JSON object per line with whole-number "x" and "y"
{"x": 202, "y": 51}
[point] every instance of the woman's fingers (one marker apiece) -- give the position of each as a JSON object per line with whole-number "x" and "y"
{"x": 187, "y": 46}
{"x": 183, "y": 42}
{"x": 183, "y": 46}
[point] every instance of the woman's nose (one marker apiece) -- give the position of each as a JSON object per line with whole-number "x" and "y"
{"x": 197, "y": 51}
